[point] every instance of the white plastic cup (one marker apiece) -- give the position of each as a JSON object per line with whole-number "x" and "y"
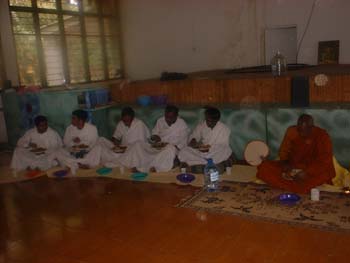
{"x": 228, "y": 170}
{"x": 347, "y": 181}
{"x": 315, "y": 194}
{"x": 183, "y": 170}
{"x": 121, "y": 169}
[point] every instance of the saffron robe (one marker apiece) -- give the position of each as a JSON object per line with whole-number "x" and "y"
{"x": 312, "y": 154}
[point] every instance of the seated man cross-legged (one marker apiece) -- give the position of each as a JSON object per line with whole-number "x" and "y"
{"x": 37, "y": 148}
{"x": 306, "y": 159}
{"x": 210, "y": 139}
{"x": 81, "y": 144}
{"x": 129, "y": 131}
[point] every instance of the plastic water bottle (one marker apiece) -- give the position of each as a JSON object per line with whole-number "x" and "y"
{"x": 278, "y": 64}
{"x": 211, "y": 176}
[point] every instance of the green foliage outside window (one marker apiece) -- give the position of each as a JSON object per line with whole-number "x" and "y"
{"x": 65, "y": 41}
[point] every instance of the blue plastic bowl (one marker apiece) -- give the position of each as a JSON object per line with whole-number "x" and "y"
{"x": 104, "y": 171}
{"x": 144, "y": 100}
{"x": 185, "y": 178}
{"x": 139, "y": 176}
{"x": 289, "y": 198}
{"x": 60, "y": 173}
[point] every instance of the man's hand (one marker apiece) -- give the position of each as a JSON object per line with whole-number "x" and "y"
{"x": 155, "y": 138}
{"x": 32, "y": 145}
{"x": 116, "y": 142}
{"x": 300, "y": 176}
{"x": 193, "y": 143}
{"x": 286, "y": 167}
{"x": 83, "y": 146}
{"x": 76, "y": 140}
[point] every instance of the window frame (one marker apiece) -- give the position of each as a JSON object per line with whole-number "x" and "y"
{"x": 36, "y": 11}
{"x": 2, "y": 70}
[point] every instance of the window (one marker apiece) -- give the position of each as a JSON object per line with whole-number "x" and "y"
{"x": 66, "y": 41}
{"x": 283, "y": 39}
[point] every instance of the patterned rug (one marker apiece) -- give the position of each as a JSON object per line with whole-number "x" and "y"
{"x": 332, "y": 212}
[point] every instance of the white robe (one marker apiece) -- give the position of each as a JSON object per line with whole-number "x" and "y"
{"x": 176, "y": 134}
{"x": 218, "y": 138}
{"x": 143, "y": 156}
{"x": 88, "y": 135}
{"x": 24, "y": 158}
{"x": 137, "y": 132}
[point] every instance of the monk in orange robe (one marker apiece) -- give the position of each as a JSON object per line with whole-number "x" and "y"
{"x": 305, "y": 159}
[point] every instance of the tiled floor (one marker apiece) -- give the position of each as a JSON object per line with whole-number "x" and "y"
{"x": 105, "y": 220}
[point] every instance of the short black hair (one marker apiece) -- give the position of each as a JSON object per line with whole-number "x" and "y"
{"x": 80, "y": 114}
{"x": 172, "y": 108}
{"x": 128, "y": 111}
{"x": 212, "y": 113}
{"x": 305, "y": 118}
{"x": 39, "y": 119}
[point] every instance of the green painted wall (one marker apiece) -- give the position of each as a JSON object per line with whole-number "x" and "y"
{"x": 57, "y": 106}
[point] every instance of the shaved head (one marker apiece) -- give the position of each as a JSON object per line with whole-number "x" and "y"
{"x": 305, "y": 124}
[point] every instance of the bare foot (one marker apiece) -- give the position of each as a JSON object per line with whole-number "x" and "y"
{"x": 152, "y": 170}
{"x": 83, "y": 166}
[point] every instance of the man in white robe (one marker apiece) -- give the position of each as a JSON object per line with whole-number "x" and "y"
{"x": 210, "y": 139}
{"x": 37, "y": 148}
{"x": 129, "y": 130}
{"x": 81, "y": 147}
{"x": 168, "y": 136}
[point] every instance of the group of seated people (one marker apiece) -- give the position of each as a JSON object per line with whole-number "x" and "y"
{"x": 305, "y": 147}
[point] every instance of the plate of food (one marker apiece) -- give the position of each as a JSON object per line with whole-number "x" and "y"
{"x": 36, "y": 150}
{"x": 159, "y": 145}
{"x": 204, "y": 148}
{"x": 290, "y": 176}
{"x": 75, "y": 149}
{"x": 289, "y": 198}
{"x": 119, "y": 149}
{"x": 79, "y": 147}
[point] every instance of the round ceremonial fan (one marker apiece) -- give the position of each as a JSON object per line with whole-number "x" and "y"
{"x": 255, "y": 152}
